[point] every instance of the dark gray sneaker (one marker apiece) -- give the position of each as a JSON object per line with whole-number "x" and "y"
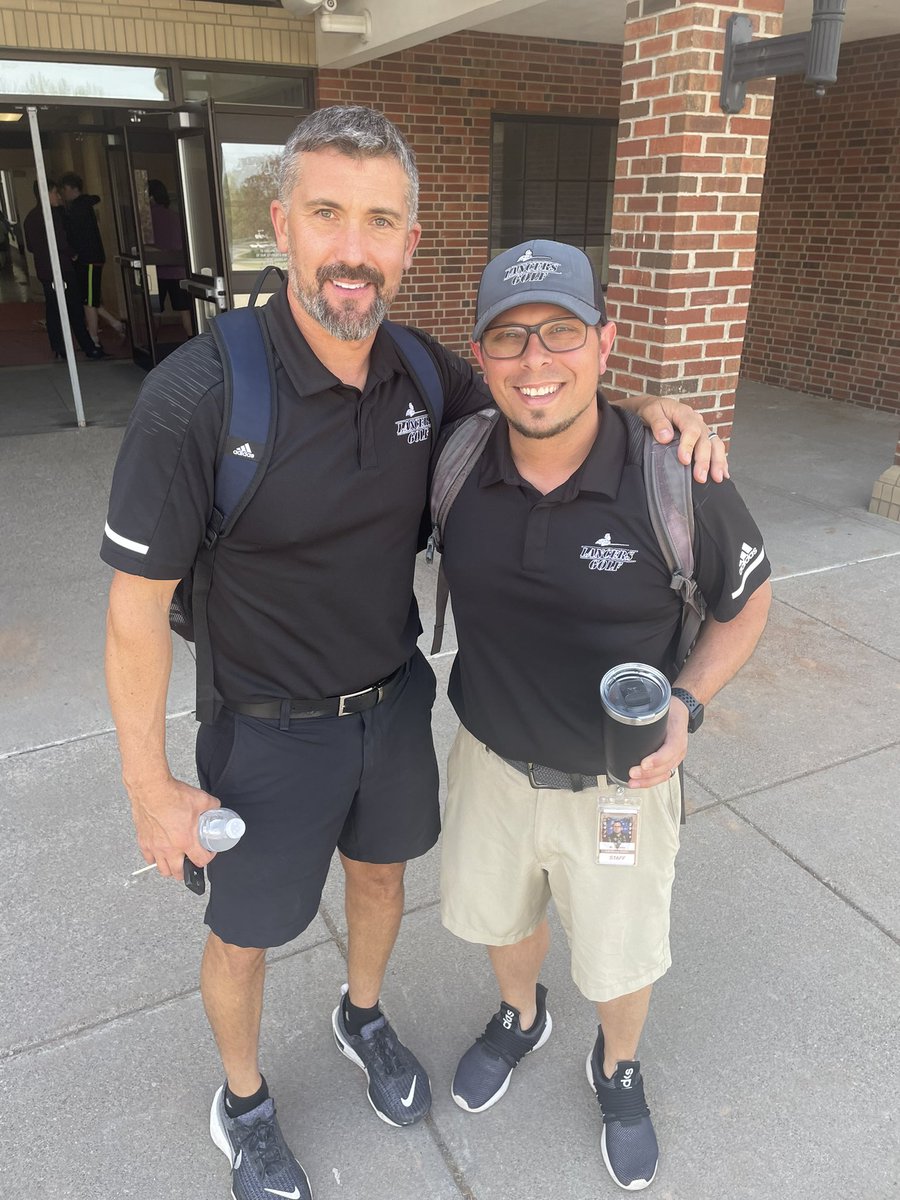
{"x": 399, "y": 1090}
{"x": 484, "y": 1071}
{"x": 628, "y": 1141}
{"x": 261, "y": 1163}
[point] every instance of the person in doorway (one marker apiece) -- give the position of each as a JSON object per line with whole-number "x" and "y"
{"x": 528, "y": 800}
{"x": 87, "y": 248}
{"x": 36, "y": 241}
{"x": 169, "y": 256}
{"x": 324, "y": 738}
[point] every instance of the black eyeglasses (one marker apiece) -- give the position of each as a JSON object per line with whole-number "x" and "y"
{"x": 556, "y": 335}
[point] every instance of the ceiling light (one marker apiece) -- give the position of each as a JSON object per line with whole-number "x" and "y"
{"x": 5, "y": 116}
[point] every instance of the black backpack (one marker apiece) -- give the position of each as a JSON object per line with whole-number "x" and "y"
{"x": 244, "y": 453}
{"x": 667, "y": 482}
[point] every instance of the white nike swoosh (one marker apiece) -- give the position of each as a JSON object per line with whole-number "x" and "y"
{"x": 294, "y": 1195}
{"x": 409, "y": 1099}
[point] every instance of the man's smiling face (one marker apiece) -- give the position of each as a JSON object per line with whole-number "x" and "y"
{"x": 543, "y": 393}
{"x": 348, "y": 239}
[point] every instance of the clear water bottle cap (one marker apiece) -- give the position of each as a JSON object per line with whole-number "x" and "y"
{"x": 235, "y": 828}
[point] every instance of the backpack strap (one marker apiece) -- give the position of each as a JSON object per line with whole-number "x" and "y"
{"x": 245, "y": 449}
{"x": 454, "y": 464}
{"x": 667, "y": 482}
{"x": 423, "y": 370}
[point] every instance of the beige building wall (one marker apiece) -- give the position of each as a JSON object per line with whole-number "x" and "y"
{"x": 165, "y": 28}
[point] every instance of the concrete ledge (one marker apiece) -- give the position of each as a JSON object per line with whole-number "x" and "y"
{"x": 886, "y": 495}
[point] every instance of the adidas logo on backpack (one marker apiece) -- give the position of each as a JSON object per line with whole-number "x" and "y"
{"x": 244, "y": 451}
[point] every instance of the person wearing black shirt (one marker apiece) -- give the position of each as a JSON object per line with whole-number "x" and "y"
{"x": 87, "y": 247}
{"x": 557, "y": 576}
{"x": 36, "y": 241}
{"x": 324, "y": 739}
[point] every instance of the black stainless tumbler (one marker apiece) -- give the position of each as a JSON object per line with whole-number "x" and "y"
{"x": 635, "y": 700}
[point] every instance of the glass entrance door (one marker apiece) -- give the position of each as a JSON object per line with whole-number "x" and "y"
{"x": 169, "y": 228}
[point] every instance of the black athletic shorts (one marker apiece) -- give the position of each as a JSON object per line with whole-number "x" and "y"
{"x": 90, "y": 278}
{"x": 179, "y": 301}
{"x": 366, "y": 783}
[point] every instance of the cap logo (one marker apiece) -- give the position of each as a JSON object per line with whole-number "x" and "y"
{"x": 528, "y": 269}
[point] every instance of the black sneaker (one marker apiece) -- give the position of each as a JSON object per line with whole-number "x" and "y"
{"x": 628, "y": 1140}
{"x": 484, "y": 1071}
{"x": 399, "y": 1089}
{"x": 261, "y": 1163}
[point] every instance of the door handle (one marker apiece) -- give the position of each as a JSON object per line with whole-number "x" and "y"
{"x": 125, "y": 260}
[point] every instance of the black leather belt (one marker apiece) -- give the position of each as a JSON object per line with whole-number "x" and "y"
{"x": 549, "y": 777}
{"x": 331, "y": 706}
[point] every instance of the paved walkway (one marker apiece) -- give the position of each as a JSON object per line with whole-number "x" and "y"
{"x": 772, "y": 1054}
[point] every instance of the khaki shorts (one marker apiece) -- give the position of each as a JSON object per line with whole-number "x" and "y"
{"x": 509, "y": 848}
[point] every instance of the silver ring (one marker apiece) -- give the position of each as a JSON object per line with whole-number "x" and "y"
{"x": 712, "y": 434}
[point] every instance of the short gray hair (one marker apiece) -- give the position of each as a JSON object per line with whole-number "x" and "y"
{"x": 355, "y": 131}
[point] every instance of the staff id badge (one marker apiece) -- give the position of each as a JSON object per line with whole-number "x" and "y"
{"x": 617, "y": 834}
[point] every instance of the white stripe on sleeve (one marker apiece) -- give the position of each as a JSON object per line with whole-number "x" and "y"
{"x": 124, "y": 541}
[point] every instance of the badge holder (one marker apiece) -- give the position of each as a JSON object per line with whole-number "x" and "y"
{"x": 618, "y": 824}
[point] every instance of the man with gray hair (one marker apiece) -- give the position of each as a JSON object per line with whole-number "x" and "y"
{"x": 323, "y": 738}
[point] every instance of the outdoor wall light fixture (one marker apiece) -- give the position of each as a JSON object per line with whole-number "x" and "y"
{"x": 813, "y": 53}
{"x": 330, "y": 20}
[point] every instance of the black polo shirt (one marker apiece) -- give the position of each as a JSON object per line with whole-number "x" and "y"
{"x": 312, "y": 593}
{"x": 551, "y": 591}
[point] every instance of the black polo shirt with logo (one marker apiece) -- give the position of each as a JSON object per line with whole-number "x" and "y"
{"x": 312, "y": 593}
{"x": 551, "y": 591}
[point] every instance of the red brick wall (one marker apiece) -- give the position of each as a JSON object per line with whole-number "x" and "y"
{"x": 442, "y": 95}
{"x": 825, "y": 308}
{"x": 685, "y": 210}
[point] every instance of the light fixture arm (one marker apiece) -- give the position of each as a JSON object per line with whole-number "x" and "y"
{"x": 813, "y": 54}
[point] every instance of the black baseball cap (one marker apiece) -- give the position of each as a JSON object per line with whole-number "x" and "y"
{"x": 539, "y": 272}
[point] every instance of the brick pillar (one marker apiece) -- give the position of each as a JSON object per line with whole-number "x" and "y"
{"x": 688, "y": 185}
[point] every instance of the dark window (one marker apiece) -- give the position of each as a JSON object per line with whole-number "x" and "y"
{"x": 553, "y": 178}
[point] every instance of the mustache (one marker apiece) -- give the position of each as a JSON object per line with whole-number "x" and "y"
{"x": 358, "y": 274}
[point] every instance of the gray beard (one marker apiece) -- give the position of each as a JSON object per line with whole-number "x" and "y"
{"x": 343, "y": 323}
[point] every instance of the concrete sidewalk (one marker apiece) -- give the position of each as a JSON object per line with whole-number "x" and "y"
{"x": 772, "y": 1054}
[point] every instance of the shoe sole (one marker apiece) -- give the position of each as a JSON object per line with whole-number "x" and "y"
{"x": 219, "y": 1135}
{"x": 350, "y": 1053}
{"x": 639, "y": 1184}
{"x": 501, "y": 1091}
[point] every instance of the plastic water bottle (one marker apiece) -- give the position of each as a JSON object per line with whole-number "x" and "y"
{"x": 219, "y": 829}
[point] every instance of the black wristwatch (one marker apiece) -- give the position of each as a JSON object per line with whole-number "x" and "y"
{"x": 694, "y": 707}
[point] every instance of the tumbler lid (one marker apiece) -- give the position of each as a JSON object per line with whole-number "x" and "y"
{"x": 635, "y": 693}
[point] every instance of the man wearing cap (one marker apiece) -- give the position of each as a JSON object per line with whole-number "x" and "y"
{"x": 539, "y": 621}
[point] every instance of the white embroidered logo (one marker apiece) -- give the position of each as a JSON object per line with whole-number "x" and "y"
{"x": 747, "y": 552}
{"x": 415, "y": 426}
{"x": 244, "y": 451}
{"x": 528, "y": 269}
{"x": 607, "y": 555}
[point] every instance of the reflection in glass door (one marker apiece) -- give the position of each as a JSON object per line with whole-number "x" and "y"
{"x": 129, "y": 254}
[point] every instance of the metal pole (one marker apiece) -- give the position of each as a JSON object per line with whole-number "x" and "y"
{"x": 58, "y": 282}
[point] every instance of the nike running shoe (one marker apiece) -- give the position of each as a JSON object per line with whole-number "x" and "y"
{"x": 484, "y": 1071}
{"x": 628, "y": 1141}
{"x": 399, "y": 1089}
{"x": 261, "y": 1163}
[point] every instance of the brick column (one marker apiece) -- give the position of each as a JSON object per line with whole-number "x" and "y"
{"x": 688, "y": 185}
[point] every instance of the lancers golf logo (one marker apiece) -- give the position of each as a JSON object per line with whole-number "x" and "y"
{"x": 528, "y": 269}
{"x": 415, "y": 426}
{"x": 607, "y": 555}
